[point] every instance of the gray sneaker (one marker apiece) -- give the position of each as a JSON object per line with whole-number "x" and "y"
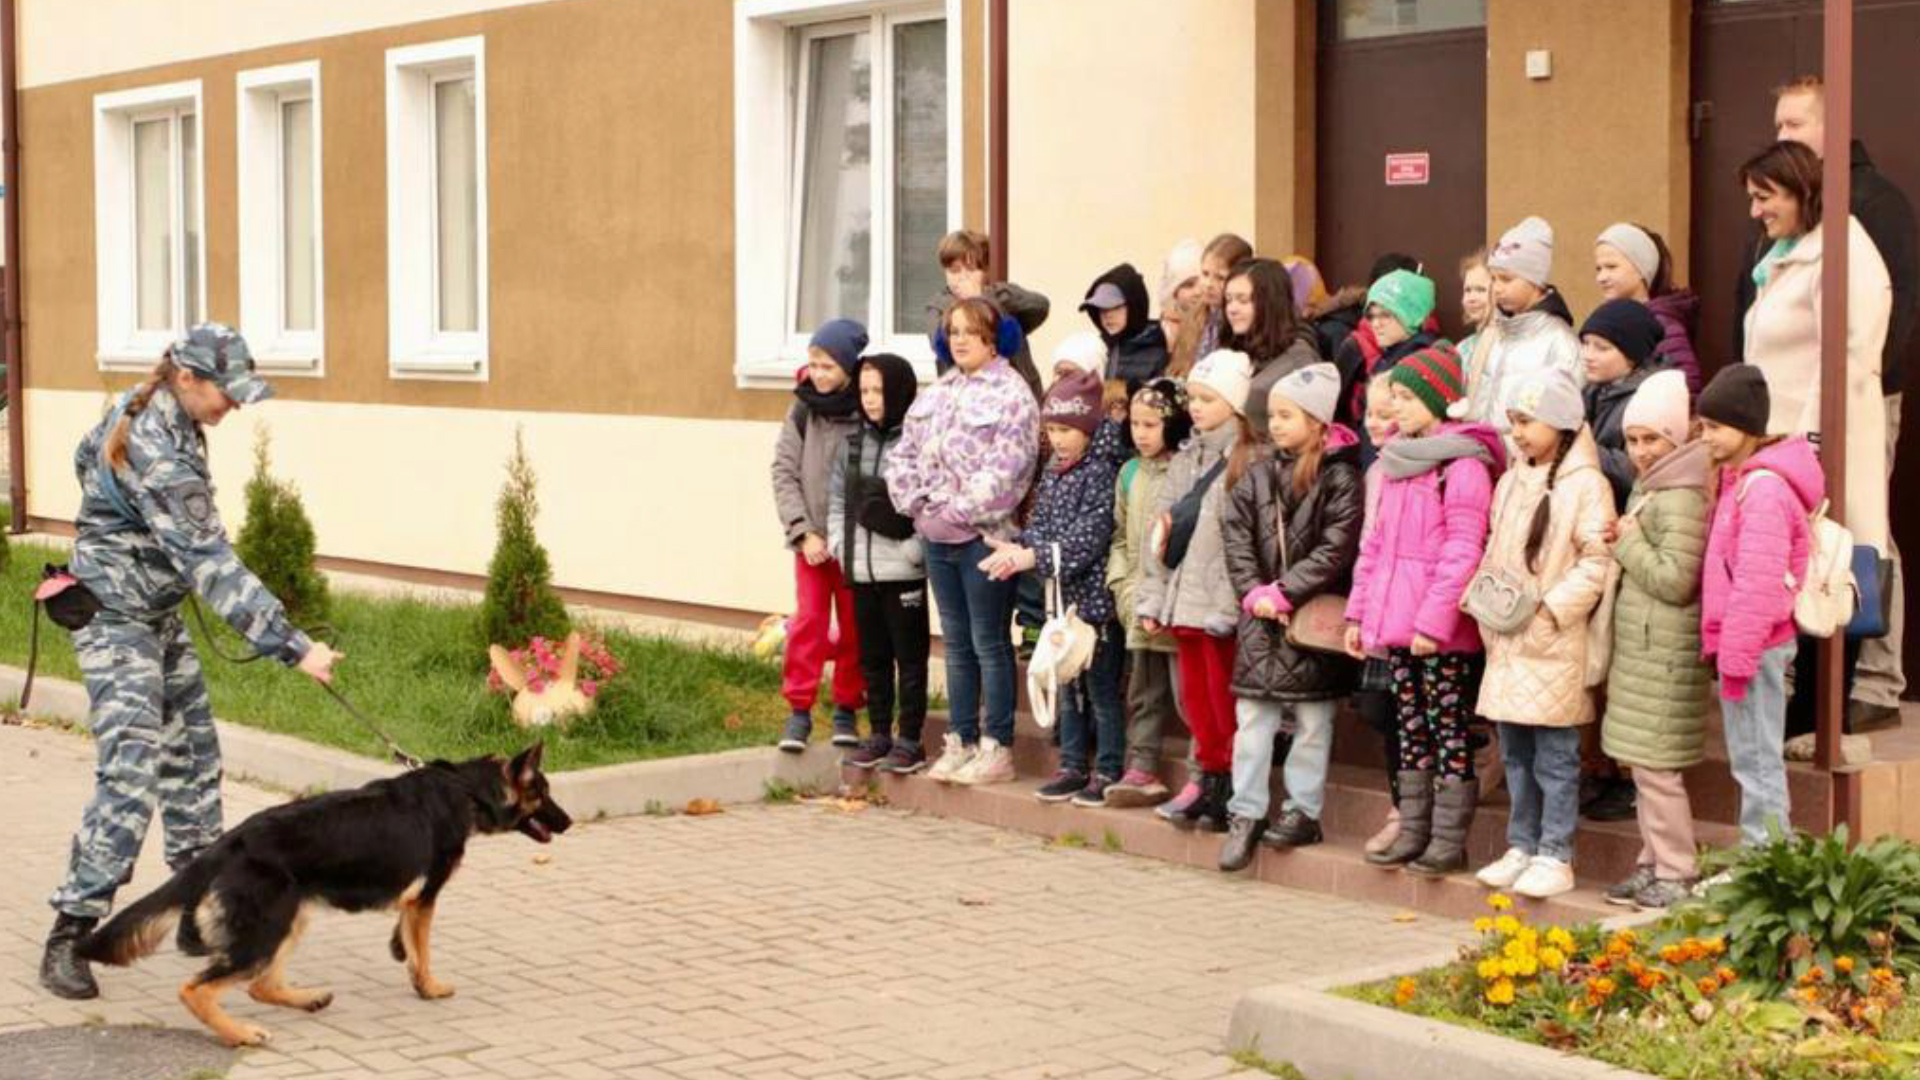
{"x": 799, "y": 728}
{"x": 1624, "y": 892}
{"x": 846, "y": 727}
{"x": 1661, "y": 895}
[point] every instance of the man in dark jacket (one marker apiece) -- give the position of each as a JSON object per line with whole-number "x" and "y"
{"x": 1799, "y": 115}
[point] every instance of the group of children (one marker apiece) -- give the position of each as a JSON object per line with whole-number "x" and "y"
{"x": 1262, "y": 511}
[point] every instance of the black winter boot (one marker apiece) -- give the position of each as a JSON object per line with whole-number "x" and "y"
{"x": 61, "y": 968}
{"x": 1216, "y": 790}
{"x": 1453, "y": 803}
{"x": 1416, "y": 820}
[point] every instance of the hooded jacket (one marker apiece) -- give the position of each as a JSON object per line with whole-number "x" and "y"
{"x": 1537, "y": 675}
{"x": 1135, "y": 493}
{"x": 1783, "y": 340}
{"x": 1887, "y": 215}
{"x": 1336, "y": 319}
{"x": 1416, "y": 562}
{"x": 1678, "y": 313}
{"x": 1197, "y": 594}
{"x": 1513, "y": 347}
{"x": 871, "y": 540}
{"x": 1756, "y": 550}
{"x": 1606, "y": 415}
{"x": 1073, "y": 508}
{"x": 965, "y": 458}
{"x": 1657, "y": 686}
{"x": 1322, "y": 542}
{"x": 814, "y": 434}
{"x": 1139, "y": 351}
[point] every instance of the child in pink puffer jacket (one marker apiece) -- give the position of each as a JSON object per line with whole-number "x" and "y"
{"x": 1414, "y": 565}
{"x": 1756, "y": 550}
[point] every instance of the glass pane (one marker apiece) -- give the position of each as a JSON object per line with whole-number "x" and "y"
{"x": 457, "y": 205}
{"x": 190, "y": 220}
{"x": 1385, "y": 18}
{"x": 152, "y": 226}
{"x": 836, "y": 215}
{"x": 919, "y": 168}
{"x": 296, "y": 215}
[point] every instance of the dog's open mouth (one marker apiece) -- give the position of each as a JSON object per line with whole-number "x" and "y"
{"x": 532, "y": 827}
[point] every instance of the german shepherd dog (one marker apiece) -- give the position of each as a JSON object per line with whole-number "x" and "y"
{"x": 391, "y": 844}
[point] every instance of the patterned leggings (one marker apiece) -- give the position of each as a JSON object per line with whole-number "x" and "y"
{"x": 1434, "y": 696}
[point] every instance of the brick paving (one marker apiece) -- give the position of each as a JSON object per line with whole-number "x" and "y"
{"x": 765, "y": 942}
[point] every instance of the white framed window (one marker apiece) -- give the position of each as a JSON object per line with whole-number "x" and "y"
{"x": 281, "y": 266}
{"x": 150, "y": 251}
{"x": 437, "y": 210}
{"x": 847, "y": 173}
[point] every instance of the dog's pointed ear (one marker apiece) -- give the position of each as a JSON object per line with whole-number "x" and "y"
{"x": 505, "y": 666}
{"x": 526, "y": 765}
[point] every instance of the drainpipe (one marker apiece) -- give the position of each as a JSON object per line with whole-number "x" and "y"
{"x": 10, "y": 177}
{"x": 1836, "y": 196}
{"x": 996, "y": 138}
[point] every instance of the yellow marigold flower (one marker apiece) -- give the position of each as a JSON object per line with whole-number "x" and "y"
{"x": 1403, "y": 991}
{"x": 1517, "y": 948}
{"x": 1844, "y": 965}
{"x": 1500, "y": 902}
{"x": 1809, "y": 994}
{"x": 1629, "y": 937}
{"x": 1882, "y": 975}
{"x": 1490, "y": 968}
{"x": 1552, "y": 958}
{"x": 1528, "y": 966}
{"x": 1483, "y": 925}
{"x": 1575, "y": 1006}
{"x": 1708, "y": 985}
{"x": 1560, "y": 939}
{"x": 1715, "y": 945}
{"x": 1501, "y": 993}
{"x": 1507, "y": 925}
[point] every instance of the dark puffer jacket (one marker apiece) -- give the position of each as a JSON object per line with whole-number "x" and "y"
{"x": 1323, "y": 543}
{"x": 1137, "y": 353}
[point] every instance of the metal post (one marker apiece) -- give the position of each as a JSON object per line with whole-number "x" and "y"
{"x": 997, "y": 139}
{"x": 1836, "y": 197}
{"x": 10, "y": 177}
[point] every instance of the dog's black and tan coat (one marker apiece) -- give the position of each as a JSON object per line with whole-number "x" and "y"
{"x": 391, "y": 844}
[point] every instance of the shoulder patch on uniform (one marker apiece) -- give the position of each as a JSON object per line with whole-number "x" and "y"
{"x": 193, "y": 501}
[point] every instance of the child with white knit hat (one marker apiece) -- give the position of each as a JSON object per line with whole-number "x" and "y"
{"x": 1531, "y": 331}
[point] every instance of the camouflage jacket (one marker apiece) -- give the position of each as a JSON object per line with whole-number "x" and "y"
{"x": 144, "y": 565}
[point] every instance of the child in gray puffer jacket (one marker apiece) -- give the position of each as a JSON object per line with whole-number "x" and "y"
{"x": 885, "y": 563}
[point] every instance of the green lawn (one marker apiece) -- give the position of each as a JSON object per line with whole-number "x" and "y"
{"x": 412, "y": 665}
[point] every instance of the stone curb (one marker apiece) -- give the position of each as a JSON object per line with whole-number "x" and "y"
{"x": 664, "y": 785}
{"x": 1337, "y": 1038}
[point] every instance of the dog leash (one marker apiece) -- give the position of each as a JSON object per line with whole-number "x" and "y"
{"x": 319, "y": 633}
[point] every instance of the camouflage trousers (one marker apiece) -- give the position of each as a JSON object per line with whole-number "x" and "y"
{"x": 153, "y": 724}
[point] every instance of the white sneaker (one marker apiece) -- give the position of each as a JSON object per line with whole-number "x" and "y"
{"x": 992, "y": 764}
{"x": 1504, "y": 871}
{"x": 1706, "y": 885}
{"x": 954, "y": 756}
{"x": 1546, "y": 876}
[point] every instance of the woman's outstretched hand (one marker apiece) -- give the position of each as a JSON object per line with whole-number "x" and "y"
{"x": 319, "y": 661}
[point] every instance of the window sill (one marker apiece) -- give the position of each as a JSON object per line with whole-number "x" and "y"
{"x": 441, "y": 366}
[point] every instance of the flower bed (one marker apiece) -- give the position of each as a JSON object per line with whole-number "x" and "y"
{"x": 1719, "y": 988}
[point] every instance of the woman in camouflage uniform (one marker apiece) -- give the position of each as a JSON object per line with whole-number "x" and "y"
{"x": 149, "y": 536}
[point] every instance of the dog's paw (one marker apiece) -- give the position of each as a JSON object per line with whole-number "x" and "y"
{"x": 396, "y": 947}
{"x": 241, "y": 1034}
{"x": 320, "y": 1000}
{"x": 432, "y": 989}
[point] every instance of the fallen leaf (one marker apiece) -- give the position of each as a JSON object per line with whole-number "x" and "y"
{"x": 1406, "y": 916}
{"x": 701, "y": 807}
{"x": 733, "y": 722}
{"x": 542, "y": 859}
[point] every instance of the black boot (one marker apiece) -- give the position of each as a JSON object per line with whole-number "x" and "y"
{"x": 1294, "y": 829}
{"x": 61, "y": 968}
{"x": 1416, "y": 820}
{"x": 1453, "y": 803}
{"x": 1216, "y": 789}
{"x": 1243, "y": 837}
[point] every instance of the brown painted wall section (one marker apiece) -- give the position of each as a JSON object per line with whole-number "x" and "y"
{"x": 1603, "y": 140}
{"x": 1285, "y": 54}
{"x": 610, "y": 190}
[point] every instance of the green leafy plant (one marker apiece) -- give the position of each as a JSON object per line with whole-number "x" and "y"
{"x": 277, "y": 543}
{"x": 520, "y": 603}
{"x": 1797, "y": 902}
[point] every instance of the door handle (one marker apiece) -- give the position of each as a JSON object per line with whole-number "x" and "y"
{"x": 1697, "y": 117}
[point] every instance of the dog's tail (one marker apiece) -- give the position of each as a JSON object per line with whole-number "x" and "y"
{"x": 140, "y": 928}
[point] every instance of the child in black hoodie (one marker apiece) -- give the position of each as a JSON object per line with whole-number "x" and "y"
{"x": 1136, "y": 345}
{"x": 886, "y": 566}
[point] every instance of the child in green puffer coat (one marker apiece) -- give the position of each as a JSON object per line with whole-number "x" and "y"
{"x": 1658, "y": 685}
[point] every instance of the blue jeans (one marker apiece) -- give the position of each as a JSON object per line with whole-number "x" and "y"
{"x": 975, "y": 625}
{"x": 1543, "y": 778}
{"x": 1090, "y": 705}
{"x": 1305, "y": 771}
{"x": 1756, "y": 727}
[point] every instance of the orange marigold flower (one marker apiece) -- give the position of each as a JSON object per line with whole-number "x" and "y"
{"x": 1674, "y": 954}
{"x": 1844, "y": 965}
{"x": 1403, "y": 991}
{"x": 1715, "y": 945}
{"x": 1726, "y": 975}
{"x": 1708, "y": 985}
{"x": 1649, "y": 980}
{"x": 1814, "y": 974}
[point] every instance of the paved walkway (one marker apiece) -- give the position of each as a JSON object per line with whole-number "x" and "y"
{"x": 788, "y": 941}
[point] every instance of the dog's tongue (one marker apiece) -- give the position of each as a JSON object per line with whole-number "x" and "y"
{"x": 539, "y": 832}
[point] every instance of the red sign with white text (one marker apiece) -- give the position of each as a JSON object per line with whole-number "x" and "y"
{"x": 1407, "y": 170}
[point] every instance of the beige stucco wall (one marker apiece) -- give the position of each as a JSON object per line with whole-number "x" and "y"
{"x": 1133, "y": 128}
{"x": 1603, "y": 140}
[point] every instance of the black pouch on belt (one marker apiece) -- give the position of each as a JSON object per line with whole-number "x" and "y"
{"x": 69, "y": 603}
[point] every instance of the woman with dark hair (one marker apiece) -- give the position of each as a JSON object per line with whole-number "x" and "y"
{"x": 1783, "y": 341}
{"x": 1262, "y": 322}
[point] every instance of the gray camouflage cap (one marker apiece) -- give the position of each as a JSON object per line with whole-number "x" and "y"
{"x": 218, "y": 352}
